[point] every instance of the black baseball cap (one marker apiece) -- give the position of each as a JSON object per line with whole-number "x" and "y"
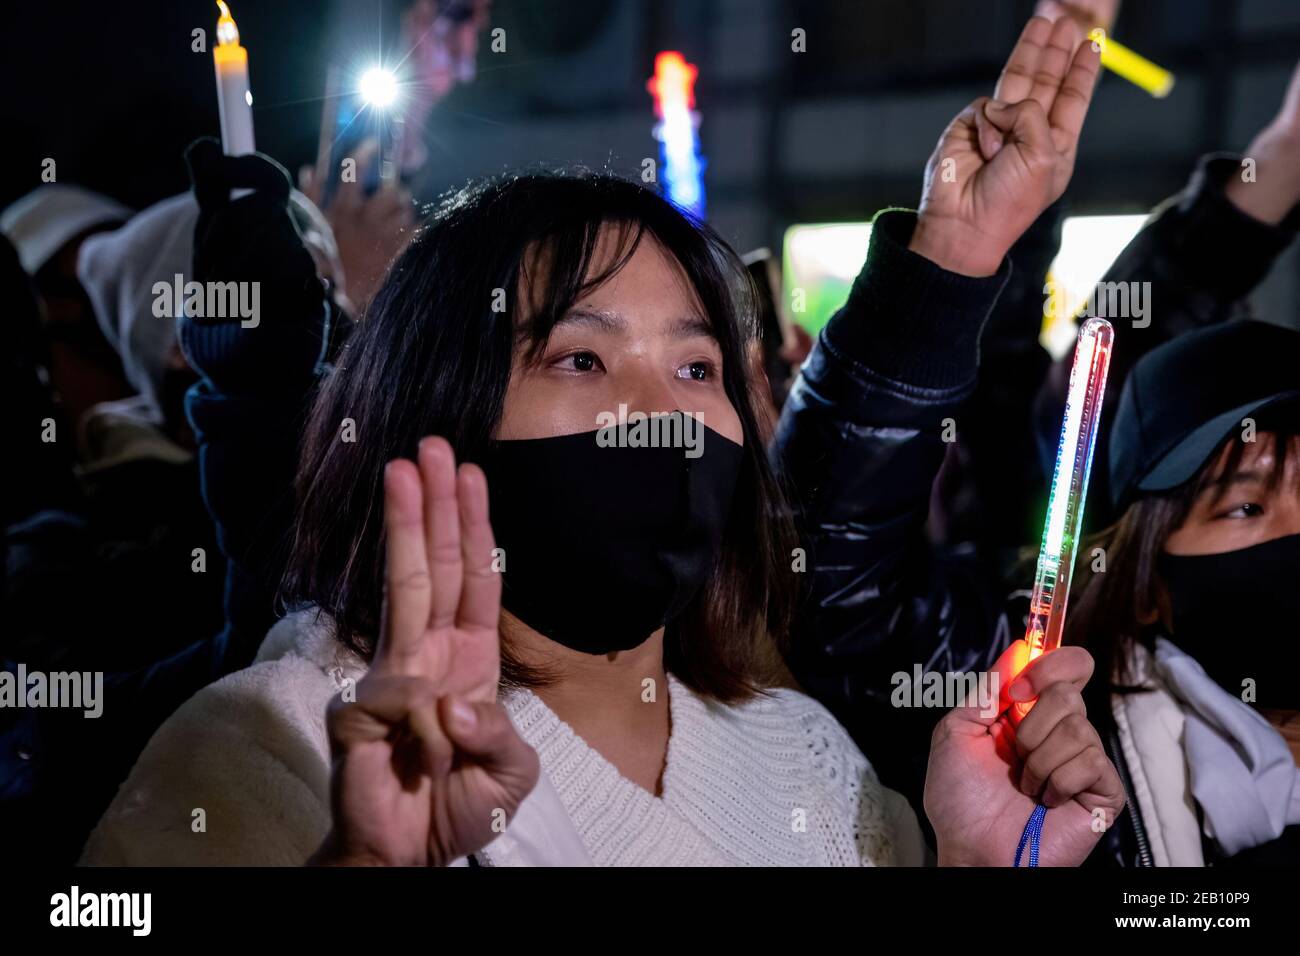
{"x": 1183, "y": 399}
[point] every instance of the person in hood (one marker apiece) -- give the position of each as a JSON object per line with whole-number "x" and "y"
{"x": 127, "y": 549}
{"x": 589, "y": 671}
{"x": 48, "y": 227}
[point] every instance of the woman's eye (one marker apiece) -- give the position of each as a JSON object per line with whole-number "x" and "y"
{"x": 579, "y": 362}
{"x": 698, "y": 371}
{"x": 1248, "y": 510}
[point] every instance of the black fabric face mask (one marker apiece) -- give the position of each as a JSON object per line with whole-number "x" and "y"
{"x": 1238, "y": 614}
{"x": 604, "y": 545}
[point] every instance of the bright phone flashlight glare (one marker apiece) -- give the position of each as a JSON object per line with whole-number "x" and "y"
{"x": 378, "y": 87}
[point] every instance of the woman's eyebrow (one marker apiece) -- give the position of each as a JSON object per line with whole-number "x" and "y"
{"x": 1239, "y": 477}
{"x": 1219, "y": 487}
{"x": 610, "y": 321}
{"x": 602, "y": 319}
{"x": 691, "y": 327}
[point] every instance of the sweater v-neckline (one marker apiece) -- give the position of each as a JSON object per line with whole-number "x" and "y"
{"x": 524, "y": 703}
{"x": 619, "y": 821}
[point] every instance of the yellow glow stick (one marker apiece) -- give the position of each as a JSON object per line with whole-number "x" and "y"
{"x": 1134, "y": 67}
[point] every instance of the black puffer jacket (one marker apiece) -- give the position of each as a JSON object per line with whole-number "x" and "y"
{"x": 860, "y": 441}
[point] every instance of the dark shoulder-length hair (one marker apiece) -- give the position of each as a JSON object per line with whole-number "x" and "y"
{"x": 433, "y": 357}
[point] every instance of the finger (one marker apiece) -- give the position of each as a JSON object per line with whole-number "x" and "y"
{"x": 441, "y": 529}
{"x": 1070, "y": 665}
{"x": 351, "y": 195}
{"x": 480, "y": 597}
{"x": 438, "y": 750}
{"x": 348, "y": 199}
{"x": 1017, "y": 77}
{"x": 990, "y": 137}
{"x": 484, "y": 732}
{"x": 306, "y": 174}
{"x": 1059, "y": 701}
{"x": 1009, "y": 663}
{"x": 367, "y": 156}
{"x": 1086, "y": 772}
{"x": 1054, "y": 63}
{"x": 1024, "y": 124}
{"x": 407, "y": 598}
{"x": 380, "y": 703}
{"x": 1070, "y": 737}
{"x": 381, "y": 706}
{"x": 1074, "y": 97}
{"x": 388, "y": 202}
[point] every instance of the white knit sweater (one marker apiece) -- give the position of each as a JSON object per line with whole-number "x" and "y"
{"x": 773, "y": 781}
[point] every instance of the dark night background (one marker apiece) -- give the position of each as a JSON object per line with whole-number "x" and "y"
{"x": 115, "y": 93}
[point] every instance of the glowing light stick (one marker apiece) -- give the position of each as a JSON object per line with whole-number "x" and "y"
{"x": 1069, "y": 487}
{"x": 673, "y": 87}
{"x": 1133, "y": 67}
{"x": 234, "y": 99}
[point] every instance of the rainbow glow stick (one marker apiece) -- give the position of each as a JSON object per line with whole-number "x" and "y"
{"x": 1069, "y": 487}
{"x": 1132, "y": 66}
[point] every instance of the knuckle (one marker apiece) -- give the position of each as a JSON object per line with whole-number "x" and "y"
{"x": 1077, "y": 726}
{"x": 1098, "y": 761}
{"x": 445, "y": 553}
{"x": 1058, "y": 691}
{"x": 411, "y": 581}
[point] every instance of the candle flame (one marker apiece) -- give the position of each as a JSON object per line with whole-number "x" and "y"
{"x": 227, "y": 32}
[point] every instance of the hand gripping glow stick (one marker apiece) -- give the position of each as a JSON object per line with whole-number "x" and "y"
{"x": 1069, "y": 487}
{"x": 1134, "y": 67}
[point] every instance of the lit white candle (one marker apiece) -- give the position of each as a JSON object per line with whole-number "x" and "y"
{"x": 234, "y": 99}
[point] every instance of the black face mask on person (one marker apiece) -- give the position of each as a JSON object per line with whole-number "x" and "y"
{"x": 1238, "y": 614}
{"x": 605, "y": 543}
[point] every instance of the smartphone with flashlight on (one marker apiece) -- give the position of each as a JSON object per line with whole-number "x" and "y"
{"x": 361, "y": 137}
{"x": 367, "y": 106}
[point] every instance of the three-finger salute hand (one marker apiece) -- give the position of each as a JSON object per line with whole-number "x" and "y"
{"x": 427, "y": 766}
{"x": 1002, "y": 161}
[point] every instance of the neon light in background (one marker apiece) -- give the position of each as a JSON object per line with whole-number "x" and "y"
{"x": 673, "y": 89}
{"x": 823, "y": 259}
{"x": 1089, "y": 245}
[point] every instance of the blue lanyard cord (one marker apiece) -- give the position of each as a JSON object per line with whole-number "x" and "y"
{"x": 1033, "y": 831}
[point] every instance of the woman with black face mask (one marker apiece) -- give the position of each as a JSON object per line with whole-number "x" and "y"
{"x": 588, "y": 669}
{"x": 1192, "y": 605}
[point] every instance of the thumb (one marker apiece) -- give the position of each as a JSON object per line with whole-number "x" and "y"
{"x": 483, "y": 731}
{"x": 1005, "y": 669}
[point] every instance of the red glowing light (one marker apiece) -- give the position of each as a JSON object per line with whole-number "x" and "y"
{"x": 673, "y": 85}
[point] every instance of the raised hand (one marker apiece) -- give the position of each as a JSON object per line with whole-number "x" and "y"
{"x": 426, "y": 764}
{"x": 370, "y": 230}
{"x": 987, "y": 773}
{"x": 1272, "y": 189}
{"x": 1002, "y": 161}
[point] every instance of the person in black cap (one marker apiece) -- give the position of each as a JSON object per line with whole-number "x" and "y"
{"x": 1192, "y": 609}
